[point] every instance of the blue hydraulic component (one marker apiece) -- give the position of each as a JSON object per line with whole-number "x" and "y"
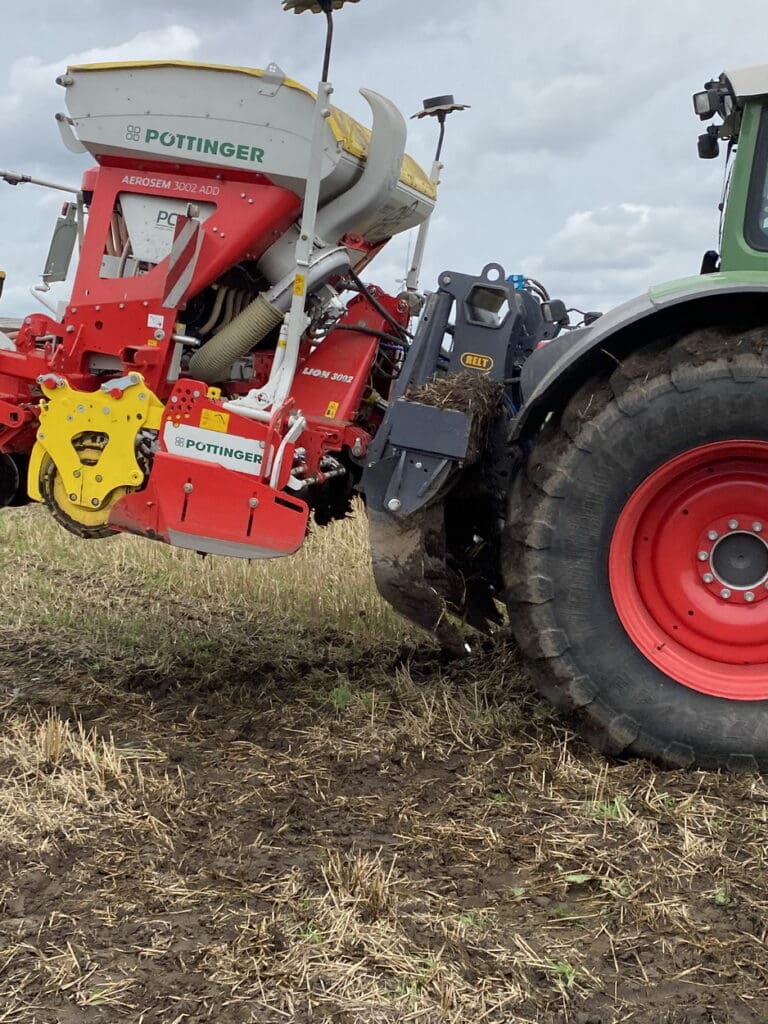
{"x": 517, "y": 281}
{"x": 510, "y": 404}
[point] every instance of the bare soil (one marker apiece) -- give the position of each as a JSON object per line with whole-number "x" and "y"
{"x": 213, "y": 813}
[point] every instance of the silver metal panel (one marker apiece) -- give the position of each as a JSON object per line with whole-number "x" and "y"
{"x": 223, "y": 118}
{"x": 219, "y": 547}
{"x": 62, "y": 246}
{"x": 8, "y": 324}
{"x": 194, "y": 115}
{"x": 378, "y": 183}
{"x": 151, "y": 223}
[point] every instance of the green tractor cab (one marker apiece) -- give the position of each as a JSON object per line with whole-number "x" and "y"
{"x": 739, "y": 99}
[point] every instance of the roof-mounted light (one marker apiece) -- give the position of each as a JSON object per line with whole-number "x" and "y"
{"x": 717, "y": 98}
{"x": 706, "y": 103}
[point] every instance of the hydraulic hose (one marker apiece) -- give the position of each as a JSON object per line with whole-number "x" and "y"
{"x": 212, "y": 362}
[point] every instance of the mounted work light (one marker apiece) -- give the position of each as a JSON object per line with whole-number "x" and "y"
{"x": 716, "y": 98}
{"x": 705, "y": 103}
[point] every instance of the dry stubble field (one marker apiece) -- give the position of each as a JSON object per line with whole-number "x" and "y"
{"x": 249, "y": 794}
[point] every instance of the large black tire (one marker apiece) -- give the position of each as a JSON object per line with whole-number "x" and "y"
{"x": 662, "y": 401}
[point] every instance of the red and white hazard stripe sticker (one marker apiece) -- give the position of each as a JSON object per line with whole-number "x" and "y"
{"x": 187, "y": 242}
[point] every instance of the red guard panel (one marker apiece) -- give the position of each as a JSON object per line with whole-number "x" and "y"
{"x": 130, "y": 318}
{"x": 331, "y": 382}
{"x": 205, "y": 507}
{"x": 197, "y": 424}
{"x": 247, "y": 220}
{"x": 206, "y": 488}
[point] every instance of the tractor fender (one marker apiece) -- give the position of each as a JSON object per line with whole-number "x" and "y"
{"x": 555, "y": 371}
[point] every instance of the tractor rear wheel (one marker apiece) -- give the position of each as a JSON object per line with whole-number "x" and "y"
{"x": 636, "y": 554}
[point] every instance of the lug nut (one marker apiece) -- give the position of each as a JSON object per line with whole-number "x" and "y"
{"x": 733, "y": 524}
{"x": 725, "y": 593}
{"x": 712, "y": 534}
{"x": 703, "y": 556}
{"x": 708, "y": 577}
{"x": 757, "y": 527}
{"x": 749, "y": 596}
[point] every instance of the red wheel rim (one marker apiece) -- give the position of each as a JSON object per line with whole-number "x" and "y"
{"x": 688, "y": 569}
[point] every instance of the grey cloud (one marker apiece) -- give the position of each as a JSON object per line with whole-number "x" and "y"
{"x": 610, "y": 253}
{"x": 575, "y": 107}
{"x": 626, "y": 236}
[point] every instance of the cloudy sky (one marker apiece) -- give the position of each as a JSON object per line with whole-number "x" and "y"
{"x": 576, "y": 164}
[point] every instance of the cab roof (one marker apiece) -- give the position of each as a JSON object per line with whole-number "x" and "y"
{"x": 749, "y": 83}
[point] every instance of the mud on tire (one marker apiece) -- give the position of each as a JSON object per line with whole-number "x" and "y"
{"x": 661, "y": 402}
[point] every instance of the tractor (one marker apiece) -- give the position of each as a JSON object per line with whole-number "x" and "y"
{"x": 210, "y": 384}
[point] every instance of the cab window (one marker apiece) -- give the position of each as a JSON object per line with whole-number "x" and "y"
{"x": 756, "y": 222}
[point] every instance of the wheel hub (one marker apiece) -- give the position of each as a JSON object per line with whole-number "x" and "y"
{"x": 688, "y": 569}
{"x": 732, "y": 559}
